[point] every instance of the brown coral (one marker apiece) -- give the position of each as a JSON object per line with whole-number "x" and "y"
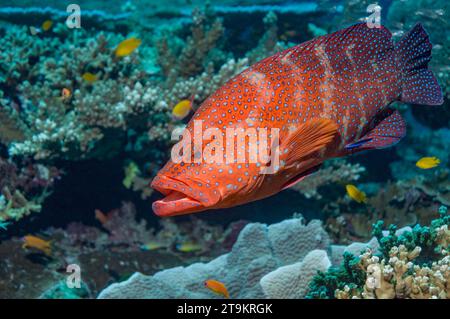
{"x": 398, "y": 277}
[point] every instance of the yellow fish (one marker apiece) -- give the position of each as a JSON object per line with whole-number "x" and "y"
{"x": 428, "y": 162}
{"x": 182, "y": 109}
{"x": 131, "y": 171}
{"x": 47, "y": 24}
{"x": 356, "y": 194}
{"x": 217, "y": 287}
{"x": 89, "y": 77}
{"x": 126, "y": 47}
{"x": 101, "y": 216}
{"x": 153, "y": 245}
{"x": 188, "y": 247}
{"x": 31, "y": 241}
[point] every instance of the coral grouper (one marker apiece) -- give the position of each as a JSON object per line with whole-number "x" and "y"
{"x": 327, "y": 97}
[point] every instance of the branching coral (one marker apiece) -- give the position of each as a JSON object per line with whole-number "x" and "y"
{"x": 193, "y": 56}
{"x": 123, "y": 231}
{"x": 334, "y": 171}
{"x": 398, "y": 277}
{"x": 397, "y": 271}
{"x": 124, "y": 108}
{"x": 23, "y": 190}
{"x": 403, "y": 203}
{"x": 268, "y": 44}
{"x": 70, "y": 128}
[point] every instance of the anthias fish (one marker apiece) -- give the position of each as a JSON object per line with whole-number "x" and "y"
{"x": 217, "y": 287}
{"x": 329, "y": 97}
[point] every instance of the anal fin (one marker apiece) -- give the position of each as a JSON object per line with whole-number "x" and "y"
{"x": 387, "y": 129}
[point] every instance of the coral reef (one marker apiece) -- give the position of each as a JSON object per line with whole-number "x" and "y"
{"x": 62, "y": 291}
{"x": 403, "y": 203}
{"x": 126, "y": 106}
{"x": 334, "y": 171}
{"x": 291, "y": 282}
{"x": 259, "y": 250}
{"x": 120, "y": 230}
{"x": 66, "y": 99}
{"x": 23, "y": 190}
{"x": 108, "y": 253}
{"x": 413, "y": 264}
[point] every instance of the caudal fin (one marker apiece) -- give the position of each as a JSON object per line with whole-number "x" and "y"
{"x": 419, "y": 86}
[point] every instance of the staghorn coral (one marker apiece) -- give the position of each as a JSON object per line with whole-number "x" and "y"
{"x": 193, "y": 56}
{"x": 70, "y": 128}
{"x": 15, "y": 206}
{"x": 268, "y": 44}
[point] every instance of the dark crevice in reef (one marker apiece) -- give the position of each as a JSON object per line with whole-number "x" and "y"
{"x": 92, "y": 184}
{"x": 85, "y": 186}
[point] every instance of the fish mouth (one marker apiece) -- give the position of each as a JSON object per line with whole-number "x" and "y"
{"x": 179, "y": 198}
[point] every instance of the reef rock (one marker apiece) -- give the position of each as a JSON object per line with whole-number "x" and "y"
{"x": 258, "y": 251}
{"x": 292, "y": 281}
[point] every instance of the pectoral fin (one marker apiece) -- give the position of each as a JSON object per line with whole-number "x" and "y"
{"x": 297, "y": 179}
{"x": 306, "y": 139}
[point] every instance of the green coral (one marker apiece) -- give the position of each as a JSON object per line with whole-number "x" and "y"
{"x": 62, "y": 291}
{"x": 431, "y": 242}
{"x": 324, "y": 284}
{"x": 420, "y": 236}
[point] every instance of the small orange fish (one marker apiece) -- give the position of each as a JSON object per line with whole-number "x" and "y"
{"x": 66, "y": 94}
{"x": 31, "y": 241}
{"x": 126, "y": 47}
{"x": 101, "y": 217}
{"x": 217, "y": 287}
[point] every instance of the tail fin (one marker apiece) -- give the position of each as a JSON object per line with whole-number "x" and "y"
{"x": 419, "y": 86}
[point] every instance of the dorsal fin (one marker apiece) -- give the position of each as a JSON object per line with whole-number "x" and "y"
{"x": 361, "y": 43}
{"x": 307, "y": 138}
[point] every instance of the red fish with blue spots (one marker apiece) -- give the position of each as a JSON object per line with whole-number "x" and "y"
{"x": 329, "y": 97}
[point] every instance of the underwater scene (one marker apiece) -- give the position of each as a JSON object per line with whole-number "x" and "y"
{"x": 240, "y": 149}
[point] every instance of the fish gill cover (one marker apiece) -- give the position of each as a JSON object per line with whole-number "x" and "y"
{"x": 344, "y": 106}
